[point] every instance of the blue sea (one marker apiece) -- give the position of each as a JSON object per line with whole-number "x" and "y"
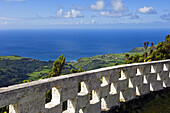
{"x": 75, "y": 43}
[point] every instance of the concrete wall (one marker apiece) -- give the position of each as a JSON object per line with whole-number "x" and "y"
{"x": 108, "y": 87}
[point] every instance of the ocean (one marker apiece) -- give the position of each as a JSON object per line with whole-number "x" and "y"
{"x": 48, "y": 44}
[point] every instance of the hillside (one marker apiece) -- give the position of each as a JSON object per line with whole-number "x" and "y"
{"x": 99, "y": 61}
{"x": 16, "y": 69}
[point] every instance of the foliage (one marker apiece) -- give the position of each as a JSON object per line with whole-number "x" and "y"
{"x": 73, "y": 70}
{"x": 15, "y": 57}
{"x": 162, "y": 52}
{"x": 127, "y": 55}
{"x": 134, "y": 59}
{"x": 25, "y": 81}
{"x": 15, "y": 71}
{"x": 80, "y": 69}
{"x": 117, "y": 63}
{"x": 48, "y": 96}
{"x": 57, "y": 66}
{"x": 167, "y": 46}
{"x": 4, "y": 109}
{"x": 25, "y": 70}
{"x": 146, "y": 45}
{"x": 99, "y": 61}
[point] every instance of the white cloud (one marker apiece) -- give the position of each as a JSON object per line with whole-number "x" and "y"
{"x": 134, "y": 15}
{"x": 118, "y": 9}
{"x": 59, "y": 12}
{"x": 118, "y": 5}
{"x": 110, "y": 14}
{"x": 76, "y": 14}
{"x": 147, "y": 10}
{"x": 98, "y": 6}
{"x": 15, "y": 0}
{"x": 69, "y": 14}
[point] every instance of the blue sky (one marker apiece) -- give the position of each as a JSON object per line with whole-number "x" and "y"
{"x": 23, "y": 14}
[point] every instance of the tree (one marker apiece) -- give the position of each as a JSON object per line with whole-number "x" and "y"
{"x": 146, "y": 45}
{"x": 117, "y": 63}
{"x": 25, "y": 81}
{"x": 151, "y": 48}
{"x": 57, "y": 67}
{"x": 56, "y": 71}
{"x": 73, "y": 70}
{"x": 145, "y": 54}
{"x": 162, "y": 51}
{"x": 48, "y": 96}
{"x": 167, "y": 46}
{"x": 80, "y": 70}
{"x": 127, "y": 55}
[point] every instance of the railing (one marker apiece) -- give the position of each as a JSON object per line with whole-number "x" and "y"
{"x": 87, "y": 92}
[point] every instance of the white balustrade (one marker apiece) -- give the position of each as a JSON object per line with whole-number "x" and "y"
{"x": 87, "y": 92}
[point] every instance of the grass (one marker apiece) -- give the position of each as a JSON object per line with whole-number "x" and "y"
{"x": 98, "y": 61}
{"x": 161, "y": 104}
{"x": 38, "y": 74}
{"x": 154, "y": 102}
{"x": 11, "y": 58}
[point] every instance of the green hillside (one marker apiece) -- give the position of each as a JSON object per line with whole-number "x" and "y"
{"x": 16, "y": 69}
{"x": 140, "y": 49}
{"x": 15, "y": 57}
{"x": 99, "y": 61}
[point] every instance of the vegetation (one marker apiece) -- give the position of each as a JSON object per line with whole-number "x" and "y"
{"x": 80, "y": 70}
{"x": 4, "y": 109}
{"x": 155, "y": 102}
{"x": 99, "y": 61}
{"x": 161, "y": 52}
{"x": 15, "y": 57}
{"x": 75, "y": 71}
{"x": 57, "y": 69}
{"x": 57, "y": 66}
{"x": 15, "y": 71}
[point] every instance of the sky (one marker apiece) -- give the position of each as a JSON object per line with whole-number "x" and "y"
{"x": 43, "y": 14}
